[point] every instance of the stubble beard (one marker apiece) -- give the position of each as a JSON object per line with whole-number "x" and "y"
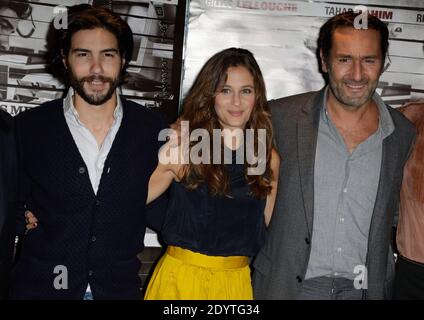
{"x": 339, "y": 91}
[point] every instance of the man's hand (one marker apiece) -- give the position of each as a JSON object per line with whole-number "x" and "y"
{"x": 31, "y": 221}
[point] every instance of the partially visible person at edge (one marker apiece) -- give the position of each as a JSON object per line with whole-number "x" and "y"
{"x": 85, "y": 164}
{"x": 344, "y": 151}
{"x": 409, "y": 279}
{"x": 8, "y": 200}
{"x": 217, "y": 212}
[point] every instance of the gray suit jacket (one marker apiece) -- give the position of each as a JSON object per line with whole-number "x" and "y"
{"x": 280, "y": 266}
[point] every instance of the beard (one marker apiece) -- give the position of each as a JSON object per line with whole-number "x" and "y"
{"x": 95, "y": 99}
{"x": 351, "y": 101}
{"x": 346, "y": 97}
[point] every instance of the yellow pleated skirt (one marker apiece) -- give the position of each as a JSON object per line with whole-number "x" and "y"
{"x": 182, "y": 274}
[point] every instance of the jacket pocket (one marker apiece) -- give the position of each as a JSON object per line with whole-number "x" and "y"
{"x": 262, "y": 263}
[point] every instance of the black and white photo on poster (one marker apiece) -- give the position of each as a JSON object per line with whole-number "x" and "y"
{"x": 153, "y": 74}
{"x": 282, "y": 35}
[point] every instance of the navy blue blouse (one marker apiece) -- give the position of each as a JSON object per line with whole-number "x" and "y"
{"x": 216, "y": 225}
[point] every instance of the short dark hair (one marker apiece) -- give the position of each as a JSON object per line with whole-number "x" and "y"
{"x": 22, "y": 9}
{"x": 86, "y": 17}
{"x": 347, "y": 19}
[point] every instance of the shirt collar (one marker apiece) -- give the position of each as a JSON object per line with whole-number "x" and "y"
{"x": 69, "y": 107}
{"x": 386, "y": 124}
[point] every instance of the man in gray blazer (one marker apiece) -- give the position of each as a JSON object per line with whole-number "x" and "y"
{"x": 343, "y": 152}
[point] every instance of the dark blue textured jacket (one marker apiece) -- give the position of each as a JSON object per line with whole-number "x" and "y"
{"x": 7, "y": 199}
{"x": 95, "y": 237}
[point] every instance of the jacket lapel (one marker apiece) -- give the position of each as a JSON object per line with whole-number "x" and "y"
{"x": 307, "y": 133}
{"x": 119, "y": 144}
{"x": 64, "y": 136}
{"x": 389, "y": 160}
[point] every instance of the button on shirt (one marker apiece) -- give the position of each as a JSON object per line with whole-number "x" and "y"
{"x": 94, "y": 156}
{"x": 345, "y": 189}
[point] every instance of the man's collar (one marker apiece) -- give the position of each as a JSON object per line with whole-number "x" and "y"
{"x": 69, "y": 107}
{"x": 385, "y": 120}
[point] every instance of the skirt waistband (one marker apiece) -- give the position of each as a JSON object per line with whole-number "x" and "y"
{"x": 203, "y": 260}
{"x": 419, "y": 264}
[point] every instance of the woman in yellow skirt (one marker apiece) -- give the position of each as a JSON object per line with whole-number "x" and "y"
{"x": 221, "y": 198}
{"x": 222, "y": 192}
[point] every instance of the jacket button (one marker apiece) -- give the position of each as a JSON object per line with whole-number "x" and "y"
{"x": 97, "y": 202}
{"x": 90, "y": 273}
{"x": 93, "y": 239}
{"x": 81, "y": 170}
{"x": 299, "y": 279}
{"x": 307, "y": 241}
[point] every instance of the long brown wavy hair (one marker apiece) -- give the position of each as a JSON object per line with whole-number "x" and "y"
{"x": 198, "y": 109}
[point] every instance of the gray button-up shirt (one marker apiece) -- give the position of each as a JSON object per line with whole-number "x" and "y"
{"x": 345, "y": 189}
